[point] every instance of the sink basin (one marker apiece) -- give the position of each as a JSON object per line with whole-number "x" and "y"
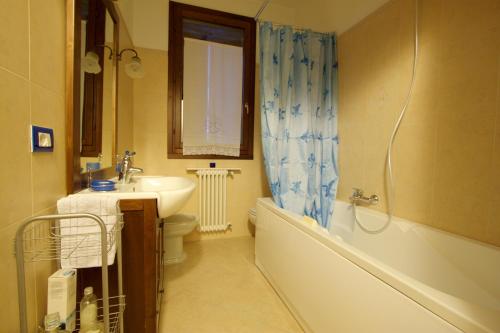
{"x": 171, "y": 193}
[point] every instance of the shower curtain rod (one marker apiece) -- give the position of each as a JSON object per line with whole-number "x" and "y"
{"x": 294, "y": 27}
{"x": 264, "y": 6}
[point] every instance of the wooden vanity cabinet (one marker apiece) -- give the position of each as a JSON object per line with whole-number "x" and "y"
{"x": 142, "y": 244}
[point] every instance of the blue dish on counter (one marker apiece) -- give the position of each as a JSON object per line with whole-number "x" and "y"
{"x": 103, "y": 185}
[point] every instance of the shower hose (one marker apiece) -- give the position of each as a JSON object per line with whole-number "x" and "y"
{"x": 390, "y": 201}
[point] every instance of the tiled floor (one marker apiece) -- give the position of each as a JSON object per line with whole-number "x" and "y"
{"x": 218, "y": 289}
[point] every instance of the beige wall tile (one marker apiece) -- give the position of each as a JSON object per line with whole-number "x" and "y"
{"x": 125, "y": 115}
{"x": 47, "y": 36}
{"x": 492, "y": 230}
{"x": 156, "y": 69}
{"x": 47, "y": 110}
{"x": 15, "y": 177}
{"x": 151, "y": 149}
{"x": 8, "y": 284}
{"x": 445, "y": 151}
{"x": 152, "y": 116}
{"x": 30, "y": 182}
{"x": 413, "y": 164}
{"x": 14, "y": 37}
{"x": 351, "y": 158}
{"x": 42, "y": 270}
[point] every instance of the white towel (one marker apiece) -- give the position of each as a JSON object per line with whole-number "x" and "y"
{"x": 80, "y": 237}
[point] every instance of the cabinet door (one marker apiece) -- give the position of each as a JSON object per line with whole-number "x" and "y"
{"x": 160, "y": 269}
{"x": 139, "y": 265}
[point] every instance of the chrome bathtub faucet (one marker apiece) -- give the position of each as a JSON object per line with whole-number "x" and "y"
{"x": 358, "y": 197}
{"x": 126, "y": 168}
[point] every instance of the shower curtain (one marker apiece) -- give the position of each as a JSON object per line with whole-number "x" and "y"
{"x": 299, "y": 89}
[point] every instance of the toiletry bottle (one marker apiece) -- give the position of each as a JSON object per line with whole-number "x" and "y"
{"x": 88, "y": 311}
{"x": 52, "y": 322}
{"x": 118, "y": 165}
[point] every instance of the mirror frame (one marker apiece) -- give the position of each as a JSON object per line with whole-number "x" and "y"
{"x": 75, "y": 180}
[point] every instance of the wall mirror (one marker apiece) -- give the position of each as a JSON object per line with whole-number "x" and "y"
{"x": 91, "y": 79}
{"x": 211, "y": 83}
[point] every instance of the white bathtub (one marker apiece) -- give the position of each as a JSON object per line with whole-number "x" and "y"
{"x": 410, "y": 278}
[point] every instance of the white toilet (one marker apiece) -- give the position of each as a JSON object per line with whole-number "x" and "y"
{"x": 176, "y": 227}
{"x": 252, "y": 215}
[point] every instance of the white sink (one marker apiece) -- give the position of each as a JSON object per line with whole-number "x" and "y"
{"x": 171, "y": 193}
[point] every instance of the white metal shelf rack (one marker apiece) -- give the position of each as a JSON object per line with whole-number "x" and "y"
{"x": 48, "y": 238}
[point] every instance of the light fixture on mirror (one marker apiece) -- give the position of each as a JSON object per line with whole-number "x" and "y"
{"x": 134, "y": 68}
{"x": 90, "y": 63}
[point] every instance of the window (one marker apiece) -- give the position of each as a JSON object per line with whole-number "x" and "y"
{"x": 211, "y": 76}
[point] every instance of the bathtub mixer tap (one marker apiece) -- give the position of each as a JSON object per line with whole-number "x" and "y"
{"x": 358, "y": 197}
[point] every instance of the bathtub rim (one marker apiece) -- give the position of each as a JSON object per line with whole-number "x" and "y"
{"x": 434, "y": 300}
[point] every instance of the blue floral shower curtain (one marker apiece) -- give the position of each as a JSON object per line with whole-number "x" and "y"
{"x": 299, "y": 90}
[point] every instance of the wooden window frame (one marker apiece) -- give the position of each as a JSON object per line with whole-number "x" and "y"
{"x": 178, "y": 12}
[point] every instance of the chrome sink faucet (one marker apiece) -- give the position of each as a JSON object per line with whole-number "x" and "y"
{"x": 358, "y": 197}
{"x": 126, "y": 168}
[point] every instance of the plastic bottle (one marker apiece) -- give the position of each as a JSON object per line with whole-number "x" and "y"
{"x": 52, "y": 322}
{"x": 88, "y": 311}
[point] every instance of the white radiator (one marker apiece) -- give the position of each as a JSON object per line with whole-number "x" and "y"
{"x": 212, "y": 199}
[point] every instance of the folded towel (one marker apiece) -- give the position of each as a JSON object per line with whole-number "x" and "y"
{"x": 80, "y": 237}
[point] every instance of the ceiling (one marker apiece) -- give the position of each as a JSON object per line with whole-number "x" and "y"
{"x": 147, "y": 20}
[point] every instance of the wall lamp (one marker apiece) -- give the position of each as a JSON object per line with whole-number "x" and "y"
{"x": 134, "y": 68}
{"x": 90, "y": 63}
